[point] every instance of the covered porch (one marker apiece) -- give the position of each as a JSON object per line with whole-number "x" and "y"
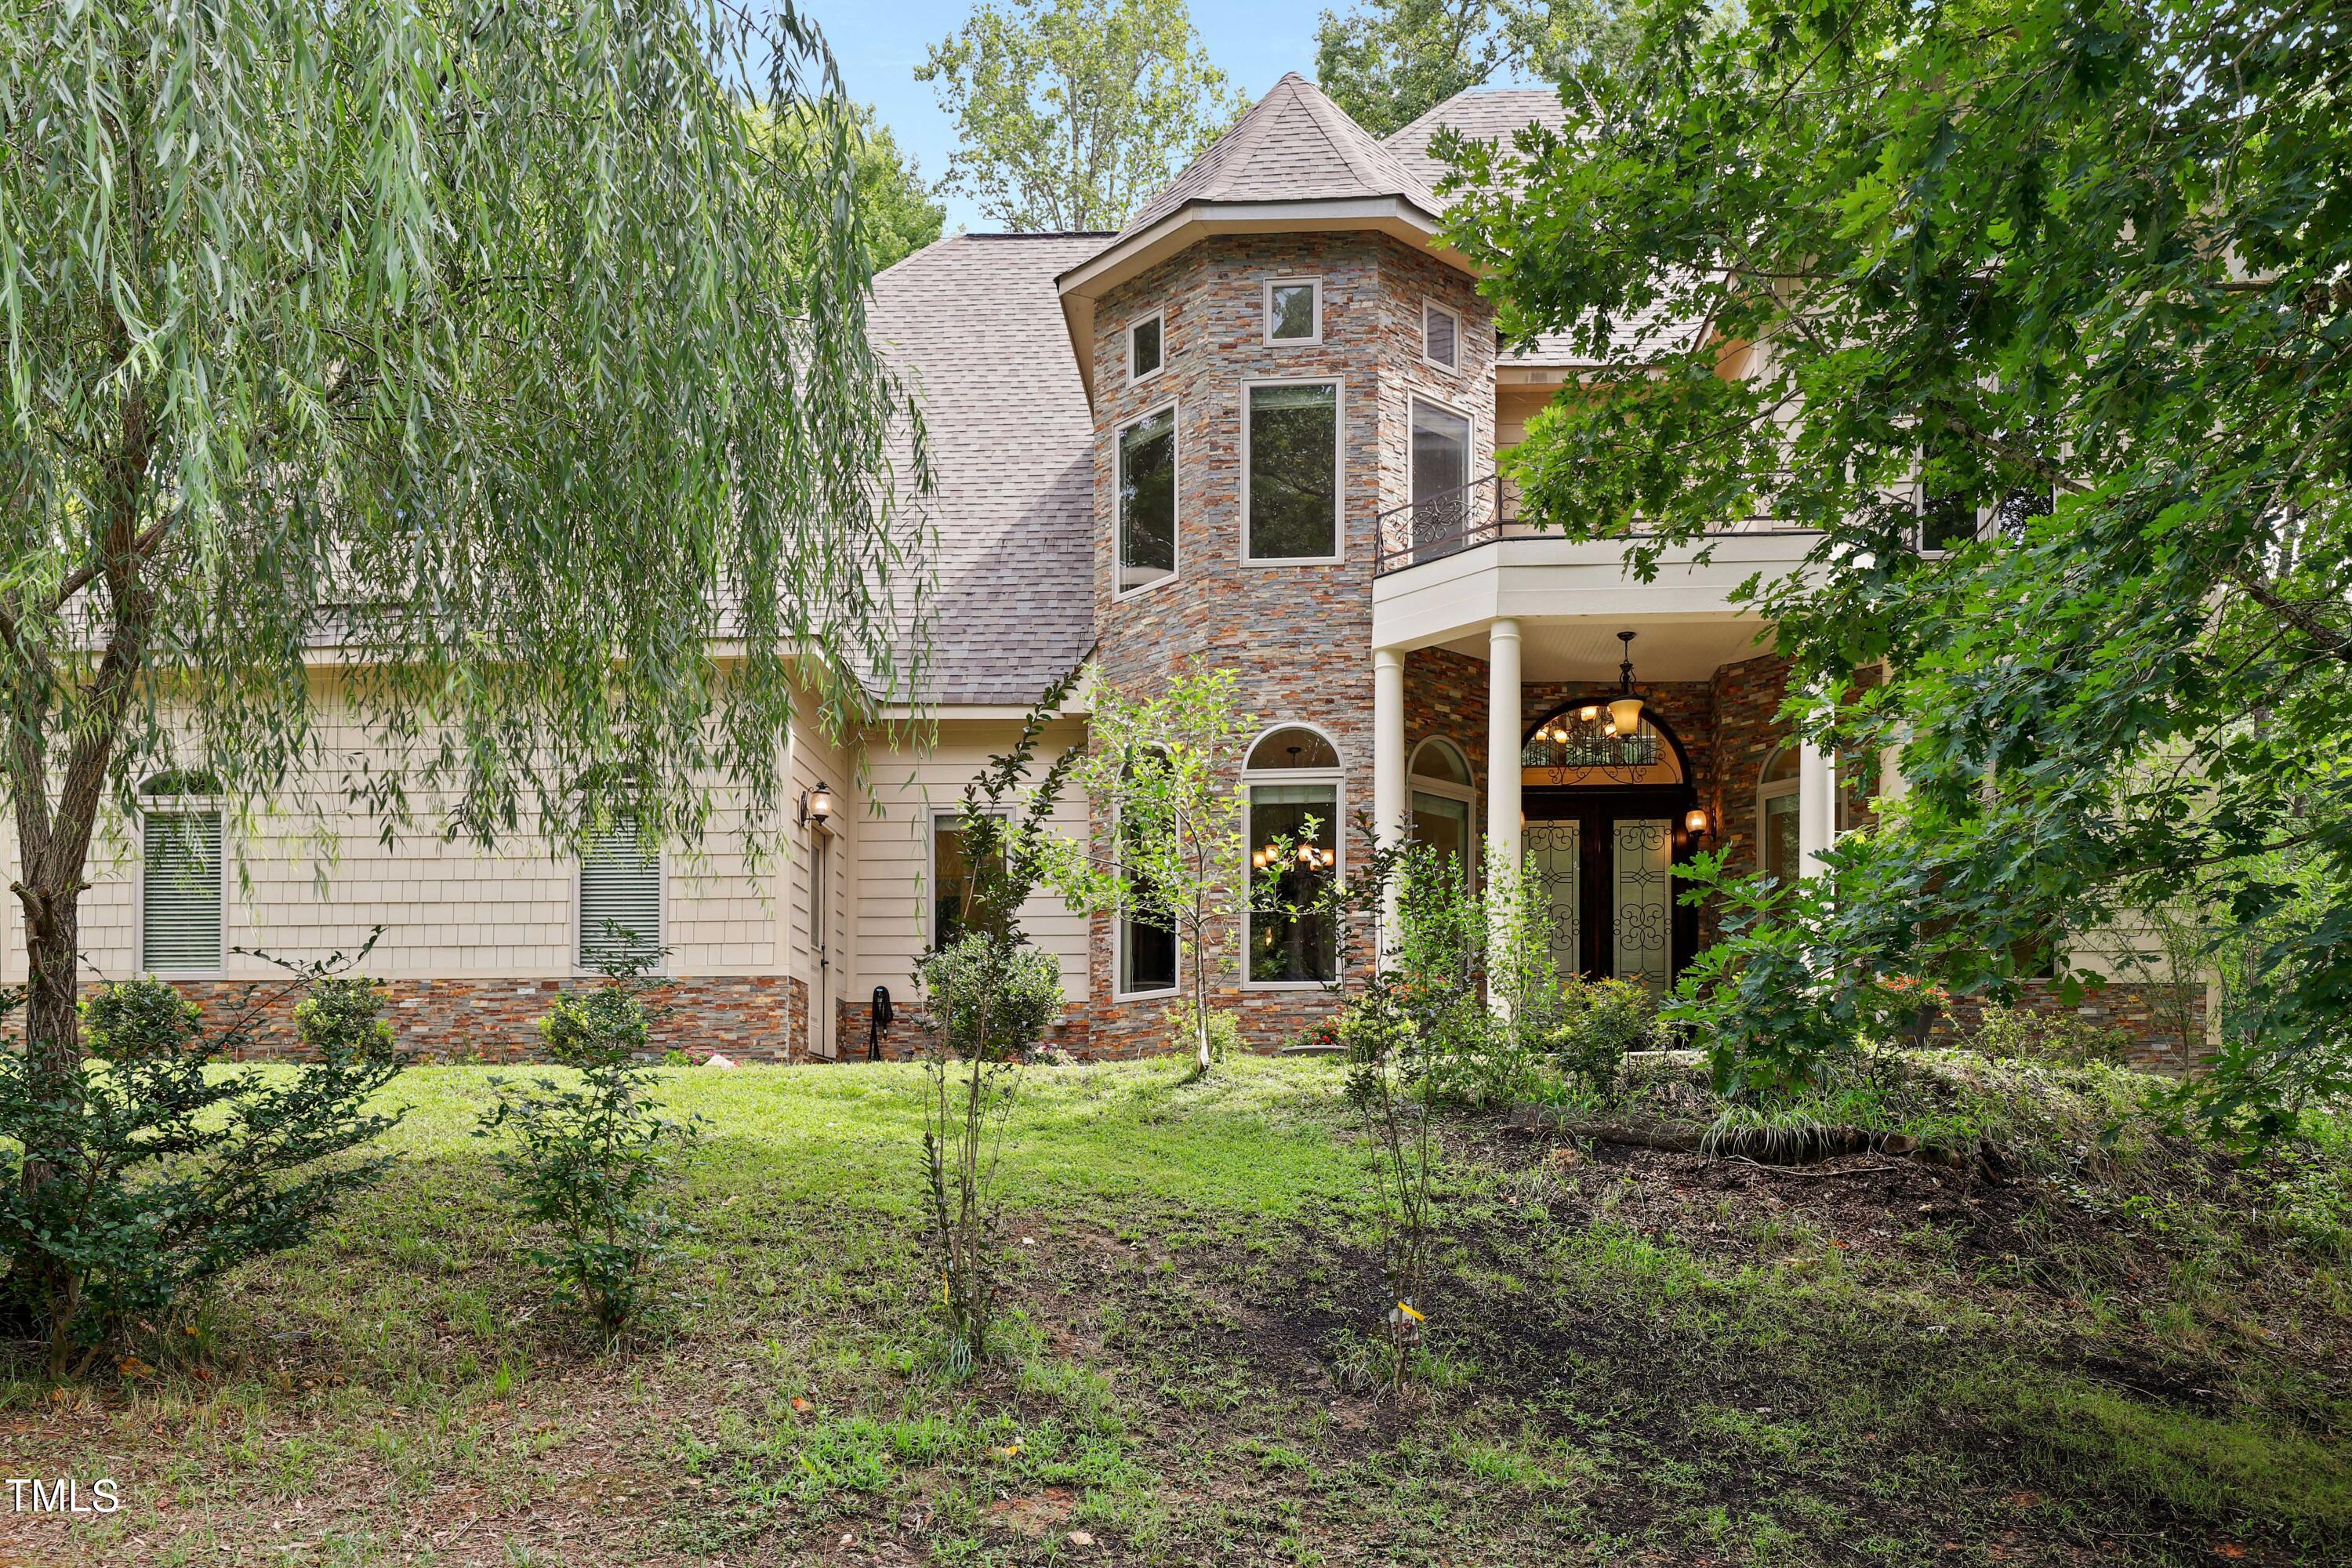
{"x": 1500, "y": 680}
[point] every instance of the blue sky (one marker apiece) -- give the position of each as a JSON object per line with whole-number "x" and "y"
{"x": 880, "y": 45}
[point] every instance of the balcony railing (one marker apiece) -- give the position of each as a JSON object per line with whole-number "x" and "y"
{"x": 1447, "y": 522}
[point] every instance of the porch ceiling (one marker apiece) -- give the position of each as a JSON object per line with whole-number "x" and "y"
{"x": 1586, "y": 650}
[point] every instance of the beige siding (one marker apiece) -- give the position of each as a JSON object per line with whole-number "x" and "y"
{"x": 905, "y": 787}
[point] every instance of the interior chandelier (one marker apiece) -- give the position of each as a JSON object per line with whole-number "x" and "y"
{"x": 1602, "y": 737}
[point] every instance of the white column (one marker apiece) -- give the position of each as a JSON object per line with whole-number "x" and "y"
{"x": 1503, "y": 745}
{"x": 1816, "y": 806}
{"x": 1390, "y": 802}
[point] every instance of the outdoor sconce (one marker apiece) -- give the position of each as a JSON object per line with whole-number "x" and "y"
{"x": 1695, "y": 820}
{"x": 816, "y": 806}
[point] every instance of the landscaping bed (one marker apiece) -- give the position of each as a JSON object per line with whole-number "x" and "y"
{"x": 2129, "y": 1351}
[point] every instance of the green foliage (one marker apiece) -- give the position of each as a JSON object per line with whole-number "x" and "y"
{"x": 488, "y": 343}
{"x": 1597, "y": 1023}
{"x": 1222, "y": 1030}
{"x": 1165, "y": 772}
{"x": 165, "y": 1171}
{"x": 992, "y": 999}
{"x": 2019, "y": 1035}
{"x": 2025, "y": 262}
{"x": 1389, "y": 61}
{"x": 1070, "y": 112}
{"x": 1386, "y": 1057}
{"x": 895, "y": 212}
{"x": 992, "y": 995}
{"x": 590, "y": 1156}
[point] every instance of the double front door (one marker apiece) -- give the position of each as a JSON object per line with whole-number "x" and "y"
{"x": 1602, "y": 868}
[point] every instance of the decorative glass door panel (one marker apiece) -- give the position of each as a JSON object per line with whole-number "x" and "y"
{"x": 1642, "y": 900}
{"x": 1555, "y": 860}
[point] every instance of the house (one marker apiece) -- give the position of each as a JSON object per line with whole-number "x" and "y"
{"x": 1259, "y": 427}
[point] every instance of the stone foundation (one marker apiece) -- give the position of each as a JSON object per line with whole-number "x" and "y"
{"x": 2145, "y": 1015}
{"x": 757, "y": 1018}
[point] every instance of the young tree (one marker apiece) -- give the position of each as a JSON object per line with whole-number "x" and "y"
{"x": 2059, "y": 292}
{"x": 1072, "y": 111}
{"x": 1388, "y": 62}
{"x": 1163, "y": 774}
{"x": 481, "y": 341}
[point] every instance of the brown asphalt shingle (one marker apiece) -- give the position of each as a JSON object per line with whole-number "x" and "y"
{"x": 974, "y": 323}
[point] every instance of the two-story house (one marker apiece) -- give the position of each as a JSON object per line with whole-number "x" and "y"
{"x": 1259, "y": 427}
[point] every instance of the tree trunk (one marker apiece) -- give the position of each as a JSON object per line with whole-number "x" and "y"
{"x": 52, "y": 1064}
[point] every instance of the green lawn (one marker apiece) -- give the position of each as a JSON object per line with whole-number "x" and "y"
{"x": 1633, "y": 1357}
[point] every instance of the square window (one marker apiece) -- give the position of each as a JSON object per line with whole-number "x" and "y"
{"x": 1143, "y": 348}
{"x": 1294, "y": 311}
{"x": 1441, "y": 336}
{"x": 1293, "y": 469}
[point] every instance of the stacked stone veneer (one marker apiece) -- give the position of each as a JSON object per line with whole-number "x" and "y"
{"x": 1300, "y": 636}
{"x": 760, "y": 1017}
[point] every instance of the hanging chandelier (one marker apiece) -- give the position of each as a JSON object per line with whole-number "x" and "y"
{"x": 1602, "y": 739}
{"x": 1309, "y": 858}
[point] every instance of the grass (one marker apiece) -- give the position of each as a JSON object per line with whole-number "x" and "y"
{"x": 2131, "y": 1355}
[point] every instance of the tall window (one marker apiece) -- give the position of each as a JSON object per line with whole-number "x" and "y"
{"x": 951, "y": 877}
{"x": 180, "y": 884}
{"x": 1146, "y": 941}
{"x": 1292, "y": 472}
{"x": 1443, "y": 804}
{"x": 620, "y": 899}
{"x": 1292, "y": 782}
{"x": 1441, "y": 469}
{"x": 1147, "y": 500}
{"x": 1293, "y": 310}
{"x": 1777, "y": 838}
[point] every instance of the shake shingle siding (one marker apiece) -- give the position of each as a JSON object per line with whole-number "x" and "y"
{"x": 974, "y": 325}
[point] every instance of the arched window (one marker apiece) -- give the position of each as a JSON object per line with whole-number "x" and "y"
{"x": 181, "y": 888}
{"x": 1445, "y": 806}
{"x": 1292, "y": 786}
{"x": 1777, "y": 840}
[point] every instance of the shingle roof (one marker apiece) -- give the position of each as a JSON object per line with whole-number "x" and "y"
{"x": 1494, "y": 114}
{"x": 974, "y": 323}
{"x": 1480, "y": 114}
{"x": 1293, "y": 144}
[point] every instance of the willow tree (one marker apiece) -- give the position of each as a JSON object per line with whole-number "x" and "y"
{"x": 484, "y": 352}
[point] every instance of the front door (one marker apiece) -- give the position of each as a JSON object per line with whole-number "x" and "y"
{"x": 1601, "y": 864}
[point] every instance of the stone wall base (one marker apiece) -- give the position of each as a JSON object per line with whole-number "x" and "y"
{"x": 754, "y": 1017}
{"x": 2146, "y": 1018}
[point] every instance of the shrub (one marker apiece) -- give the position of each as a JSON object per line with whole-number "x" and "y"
{"x": 1386, "y": 1057}
{"x": 2016, "y": 1034}
{"x": 1597, "y": 1023}
{"x": 161, "y": 1176}
{"x": 1224, "y": 1032}
{"x": 590, "y": 1160}
{"x": 990, "y": 998}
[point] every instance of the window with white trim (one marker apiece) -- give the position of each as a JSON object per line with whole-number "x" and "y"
{"x": 1444, "y": 804}
{"x": 950, "y": 874}
{"x": 1291, "y": 471}
{"x": 620, "y": 899}
{"x": 1147, "y": 500}
{"x": 1147, "y": 935}
{"x": 180, "y": 889}
{"x": 1293, "y": 310}
{"x": 1144, "y": 349}
{"x": 1291, "y": 783}
{"x": 1777, "y": 839}
{"x": 1441, "y": 336}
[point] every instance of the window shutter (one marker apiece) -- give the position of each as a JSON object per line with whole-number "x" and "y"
{"x": 180, "y": 893}
{"x": 620, "y": 899}
{"x": 1437, "y": 336}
